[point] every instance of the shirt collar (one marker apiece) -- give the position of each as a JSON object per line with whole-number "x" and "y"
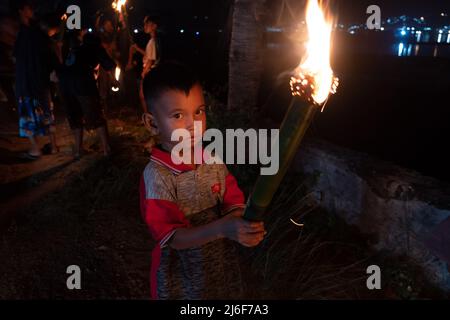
{"x": 163, "y": 158}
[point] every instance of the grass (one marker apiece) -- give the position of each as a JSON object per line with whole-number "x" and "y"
{"x": 324, "y": 259}
{"x": 94, "y": 222}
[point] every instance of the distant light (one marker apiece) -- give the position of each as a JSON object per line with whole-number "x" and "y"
{"x": 408, "y": 28}
{"x": 182, "y": 31}
{"x": 382, "y": 29}
{"x": 401, "y": 46}
{"x": 422, "y": 18}
{"x": 352, "y": 32}
{"x": 403, "y": 33}
{"x": 413, "y": 28}
{"x": 206, "y": 17}
{"x": 440, "y": 31}
{"x": 409, "y": 50}
{"x": 220, "y": 30}
{"x": 136, "y": 31}
{"x": 443, "y": 14}
{"x": 439, "y": 38}
{"x": 90, "y": 30}
{"x": 197, "y": 33}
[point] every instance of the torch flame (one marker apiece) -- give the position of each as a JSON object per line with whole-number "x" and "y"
{"x": 118, "y": 4}
{"x": 313, "y": 78}
{"x": 117, "y": 73}
{"x": 117, "y": 76}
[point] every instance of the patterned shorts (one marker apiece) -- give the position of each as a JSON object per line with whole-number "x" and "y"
{"x": 35, "y": 116}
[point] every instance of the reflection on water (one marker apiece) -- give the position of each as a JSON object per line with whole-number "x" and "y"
{"x": 421, "y": 50}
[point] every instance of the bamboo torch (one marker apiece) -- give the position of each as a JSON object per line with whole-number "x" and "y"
{"x": 311, "y": 84}
{"x": 120, "y": 7}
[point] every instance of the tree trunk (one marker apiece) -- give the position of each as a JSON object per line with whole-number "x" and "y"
{"x": 246, "y": 52}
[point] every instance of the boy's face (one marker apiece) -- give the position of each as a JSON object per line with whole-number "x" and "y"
{"x": 108, "y": 26}
{"x": 149, "y": 27}
{"x": 176, "y": 110}
{"x": 26, "y": 12}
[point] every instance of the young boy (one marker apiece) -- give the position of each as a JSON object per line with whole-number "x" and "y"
{"x": 192, "y": 211}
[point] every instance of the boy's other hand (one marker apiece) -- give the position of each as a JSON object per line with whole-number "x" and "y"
{"x": 247, "y": 233}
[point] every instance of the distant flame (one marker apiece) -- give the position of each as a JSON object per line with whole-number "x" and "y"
{"x": 64, "y": 17}
{"x": 117, "y": 76}
{"x": 118, "y": 4}
{"x": 313, "y": 79}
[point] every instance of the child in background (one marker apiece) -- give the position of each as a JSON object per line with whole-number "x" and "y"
{"x": 194, "y": 212}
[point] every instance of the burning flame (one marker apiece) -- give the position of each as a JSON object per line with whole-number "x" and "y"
{"x": 64, "y": 17}
{"x": 118, "y": 4}
{"x": 313, "y": 79}
{"x": 117, "y": 76}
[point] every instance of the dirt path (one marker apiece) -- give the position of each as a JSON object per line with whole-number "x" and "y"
{"x": 87, "y": 214}
{"x": 82, "y": 213}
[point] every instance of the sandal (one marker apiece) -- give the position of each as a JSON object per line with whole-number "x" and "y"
{"x": 29, "y": 156}
{"x": 48, "y": 149}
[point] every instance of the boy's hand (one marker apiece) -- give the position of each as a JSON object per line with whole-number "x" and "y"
{"x": 245, "y": 232}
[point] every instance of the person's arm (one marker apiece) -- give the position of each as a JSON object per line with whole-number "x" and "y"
{"x": 169, "y": 226}
{"x": 149, "y": 57}
{"x": 232, "y": 226}
{"x": 97, "y": 20}
{"x": 138, "y": 49}
{"x": 147, "y": 67}
{"x": 233, "y": 197}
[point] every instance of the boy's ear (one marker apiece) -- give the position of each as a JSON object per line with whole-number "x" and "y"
{"x": 150, "y": 123}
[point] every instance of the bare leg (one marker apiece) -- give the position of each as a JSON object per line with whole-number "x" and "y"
{"x": 78, "y": 135}
{"x": 34, "y": 150}
{"x": 141, "y": 97}
{"x": 104, "y": 138}
{"x": 52, "y": 135}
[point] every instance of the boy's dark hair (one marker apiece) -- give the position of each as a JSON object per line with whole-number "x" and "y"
{"x": 21, "y": 4}
{"x": 50, "y": 21}
{"x": 167, "y": 76}
{"x": 148, "y": 19}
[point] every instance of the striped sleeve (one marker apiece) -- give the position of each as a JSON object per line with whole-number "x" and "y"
{"x": 158, "y": 207}
{"x": 233, "y": 197}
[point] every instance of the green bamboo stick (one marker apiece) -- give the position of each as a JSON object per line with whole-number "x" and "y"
{"x": 292, "y": 131}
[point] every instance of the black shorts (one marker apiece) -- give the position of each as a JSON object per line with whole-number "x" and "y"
{"x": 83, "y": 111}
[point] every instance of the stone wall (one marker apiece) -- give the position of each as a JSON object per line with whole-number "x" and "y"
{"x": 404, "y": 212}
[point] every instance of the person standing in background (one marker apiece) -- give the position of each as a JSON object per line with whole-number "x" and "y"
{"x": 151, "y": 54}
{"x": 81, "y": 54}
{"x": 106, "y": 31}
{"x": 8, "y": 31}
{"x": 35, "y": 60}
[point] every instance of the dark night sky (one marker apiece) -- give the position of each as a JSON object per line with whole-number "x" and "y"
{"x": 354, "y": 11}
{"x": 349, "y": 10}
